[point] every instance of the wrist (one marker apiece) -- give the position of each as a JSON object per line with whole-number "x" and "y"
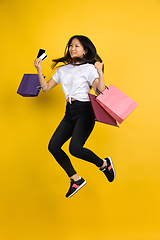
{"x": 39, "y": 71}
{"x": 100, "y": 73}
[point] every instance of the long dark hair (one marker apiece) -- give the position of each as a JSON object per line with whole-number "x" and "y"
{"x": 91, "y": 55}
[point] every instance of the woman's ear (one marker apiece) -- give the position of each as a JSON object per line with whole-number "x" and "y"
{"x": 86, "y": 50}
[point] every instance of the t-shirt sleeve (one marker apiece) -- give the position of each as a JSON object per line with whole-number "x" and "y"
{"x": 56, "y": 76}
{"x": 92, "y": 74}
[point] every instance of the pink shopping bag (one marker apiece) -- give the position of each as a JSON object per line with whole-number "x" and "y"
{"x": 116, "y": 103}
{"x": 100, "y": 114}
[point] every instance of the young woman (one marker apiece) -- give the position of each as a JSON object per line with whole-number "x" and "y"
{"x": 82, "y": 68}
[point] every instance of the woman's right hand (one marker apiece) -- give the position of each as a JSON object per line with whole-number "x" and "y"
{"x": 37, "y": 64}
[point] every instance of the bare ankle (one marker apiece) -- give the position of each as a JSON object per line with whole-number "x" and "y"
{"x": 75, "y": 177}
{"x": 104, "y": 164}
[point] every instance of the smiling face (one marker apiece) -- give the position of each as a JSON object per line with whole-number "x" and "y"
{"x": 76, "y": 49}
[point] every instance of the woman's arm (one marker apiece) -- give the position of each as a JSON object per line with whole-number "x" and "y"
{"x": 99, "y": 82}
{"x": 46, "y": 86}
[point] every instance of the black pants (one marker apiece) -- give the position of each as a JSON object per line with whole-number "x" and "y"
{"x": 78, "y": 124}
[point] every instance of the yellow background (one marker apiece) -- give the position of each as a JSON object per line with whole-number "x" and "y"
{"x": 33, "y": 186}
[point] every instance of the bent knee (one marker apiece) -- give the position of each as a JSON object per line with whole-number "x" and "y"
{"x": 75, "y": 150}
{"x": 52, "y": 147}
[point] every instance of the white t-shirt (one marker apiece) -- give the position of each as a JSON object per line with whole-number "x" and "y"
{"x": 75, "y": 80}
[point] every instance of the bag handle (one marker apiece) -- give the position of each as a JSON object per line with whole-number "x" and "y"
{"x": 99, "y": 92}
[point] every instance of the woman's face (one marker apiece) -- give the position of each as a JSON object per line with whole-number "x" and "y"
{"x": 76, "y": 49}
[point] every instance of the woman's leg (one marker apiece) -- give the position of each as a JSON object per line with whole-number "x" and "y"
{"x": 61, "y": 135}
{"x": 82, "y": 130}
{"x": 80, "y": 134}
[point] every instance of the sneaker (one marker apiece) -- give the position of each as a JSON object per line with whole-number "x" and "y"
{"x": 109, "y": 169}
{"x": 75, "y": 186}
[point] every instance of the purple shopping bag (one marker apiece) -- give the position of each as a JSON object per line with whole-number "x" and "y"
{"x": 116, "y": 103}
{"x": 29, "y": 86}
{"x": 100, "y": 114}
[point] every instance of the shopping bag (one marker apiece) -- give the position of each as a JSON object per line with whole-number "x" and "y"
{"x": 29, "y": 86}
{"x": 116, "y": 103}
{"x": 100, "y": 114}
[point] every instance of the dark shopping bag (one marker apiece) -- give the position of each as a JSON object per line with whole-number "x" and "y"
{"x": 100, "y": 114}
{"x": 29, "y": 86}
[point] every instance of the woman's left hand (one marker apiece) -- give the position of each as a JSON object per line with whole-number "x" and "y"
{"x": 99, "y": 67}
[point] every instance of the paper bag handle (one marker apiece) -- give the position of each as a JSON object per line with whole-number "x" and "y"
{"x": 99, "y": 92}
